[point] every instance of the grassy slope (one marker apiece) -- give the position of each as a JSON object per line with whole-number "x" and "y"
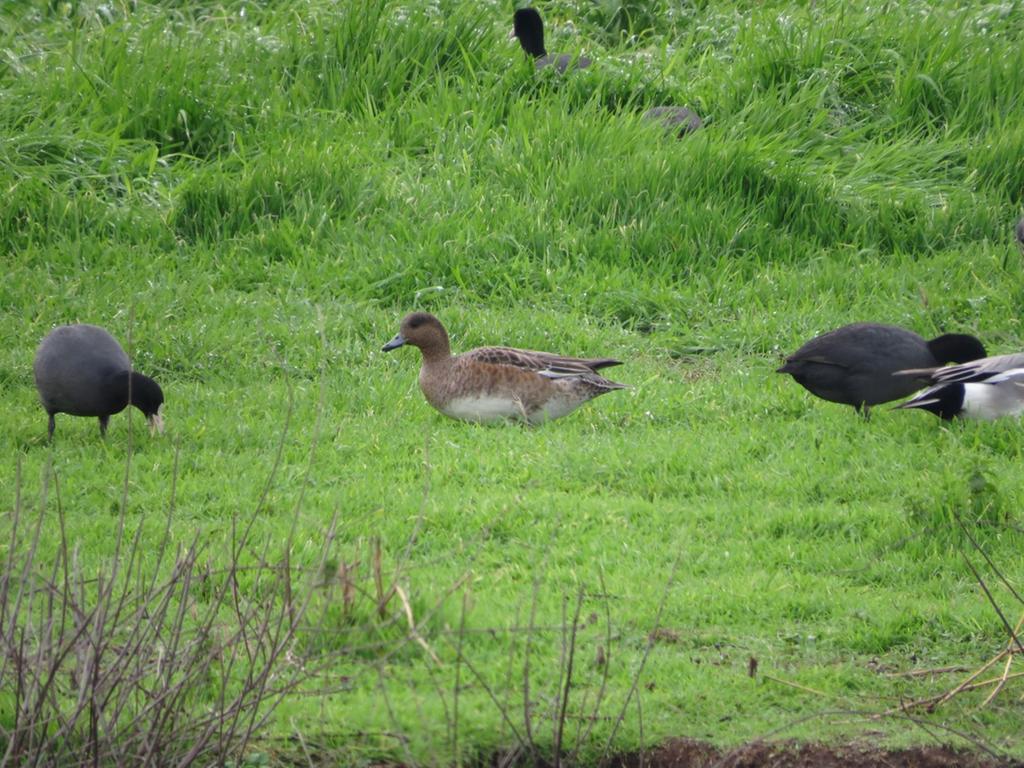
{"x": 268, "y": 192}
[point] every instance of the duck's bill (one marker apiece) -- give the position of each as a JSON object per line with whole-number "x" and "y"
{"x": 156, "y": 422}
{"x": 395, "y": 343}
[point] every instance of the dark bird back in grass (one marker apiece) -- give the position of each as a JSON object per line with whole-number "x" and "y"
{"x": 677, "y": 120}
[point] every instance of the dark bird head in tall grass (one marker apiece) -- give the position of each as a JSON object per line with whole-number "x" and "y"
{"x": 529, "y": 28}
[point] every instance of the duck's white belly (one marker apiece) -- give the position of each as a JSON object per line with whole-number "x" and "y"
{"x": 556, "y": 408}
{"x": 484, "y": 408}
{"x": 987, "y": 402}
{"x": 489, "y": 408}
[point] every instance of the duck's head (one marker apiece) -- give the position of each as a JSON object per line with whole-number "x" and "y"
{"x": 423, "y": 330}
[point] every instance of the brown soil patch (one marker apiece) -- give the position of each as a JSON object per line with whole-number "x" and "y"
{"x": 688, "y": 753}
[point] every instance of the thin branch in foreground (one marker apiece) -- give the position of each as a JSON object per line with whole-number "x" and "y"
{"x": 981, "y": 551}
{"x": 647, "y": 652}
{"x": 995, "y": 606}
{"x": 563, "y": 707}
{"x": 605, "y": 665}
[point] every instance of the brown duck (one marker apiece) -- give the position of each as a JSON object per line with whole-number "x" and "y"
{"x": 499, "y": 383}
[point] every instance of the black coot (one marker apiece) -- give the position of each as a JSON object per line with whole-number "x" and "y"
{"x": 81, "y": 370}
{"x": 855, "y": 364}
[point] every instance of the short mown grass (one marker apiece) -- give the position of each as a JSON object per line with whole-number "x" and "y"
{"x": 254, "y": 193}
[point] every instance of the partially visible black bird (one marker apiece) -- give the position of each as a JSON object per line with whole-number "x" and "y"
{"x": 529, "y": 28}
{"x": 81, "y": 370}
{"x": 984, "y": 389}
{"x": 854, "y": 365}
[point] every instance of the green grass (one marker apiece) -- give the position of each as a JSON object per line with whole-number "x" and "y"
{"x": 256, "y": 193}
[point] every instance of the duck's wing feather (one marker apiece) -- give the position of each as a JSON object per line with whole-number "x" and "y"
{"x": 540, "y": 362}
{"x": 595, "y": 380}
{"x": 983, "y": 370}
{"x": 923, "y": 398}
{"x": 576, "y": 369}
{"x": 1012, "y": 377}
